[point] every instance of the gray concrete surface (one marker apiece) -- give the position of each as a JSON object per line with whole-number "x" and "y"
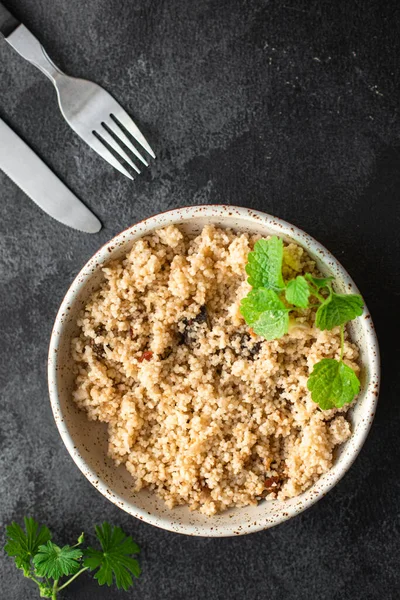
{"x": 290, "y": 107}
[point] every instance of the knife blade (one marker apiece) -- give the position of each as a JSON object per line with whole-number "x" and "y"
{"x": 30, "y": 173}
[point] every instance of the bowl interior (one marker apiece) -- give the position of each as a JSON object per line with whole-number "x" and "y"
{"x": 87, "y": 440}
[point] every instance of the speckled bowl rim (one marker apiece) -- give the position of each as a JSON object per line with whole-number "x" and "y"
{"x": 177, "y": 216}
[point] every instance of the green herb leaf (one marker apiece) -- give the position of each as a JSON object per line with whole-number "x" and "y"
{"x": 266, "y": 313}
{"x": 23, "y": 546}
{"x": 53, "y": 561}
{"x": 332, "y": 384}
{"x": 297, "y": 292}
{"x": 264, "y": 264}
{"x": 319, "y": 282}
{"x": 115, "y": 559}
{"x": 338, "y": 309}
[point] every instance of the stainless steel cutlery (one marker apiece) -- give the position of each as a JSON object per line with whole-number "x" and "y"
{"x": 91, "y": 111}
{"x": 35, "y": 178}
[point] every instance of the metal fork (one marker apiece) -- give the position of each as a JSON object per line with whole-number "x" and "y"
{"x": 91, "y": 111}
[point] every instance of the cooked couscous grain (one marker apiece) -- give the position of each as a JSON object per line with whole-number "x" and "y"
{"x": 198, "y": 407}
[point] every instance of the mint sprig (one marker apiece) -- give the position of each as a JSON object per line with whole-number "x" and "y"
{"x": 264, "y": 265}
{"x": 338, "y": 309}
{"x": 46, "y": 564}
{"x": 266, "y": 313}
{"x": 298, "y": 292}
{"x": 268, "y": 305}
{"x": 332, "y": 384}
{"x": 319, "y": 282}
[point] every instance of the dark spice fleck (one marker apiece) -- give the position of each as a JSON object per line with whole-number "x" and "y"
{"x": 202, "y": 316}
{"x": 100, "y": 330}
{"x": 192, "y": 327}
{"x": 167, "y": 353}
{"x": 255, "y": 349}
{"x": 248, "y": 347}
{"x": 98, "y": 349}
{"x": 180, "y": 338}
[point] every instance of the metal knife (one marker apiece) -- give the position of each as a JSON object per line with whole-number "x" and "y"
{"x": 29, "y": 172}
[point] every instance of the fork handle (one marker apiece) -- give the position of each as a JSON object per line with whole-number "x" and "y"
{"x": 25, "y": 43}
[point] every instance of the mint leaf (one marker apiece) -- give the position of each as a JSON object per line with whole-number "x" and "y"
{"x": 53, "y": 561}
{"x": 319, "y": 282}
{"x": 115, "y": 558}
{"x": 298, "y": 292}
{"x": 332, "y": 384}
{"x": 23, "y": 546}
{"x": 266, "y": 313}
{"x": 264, "y": 264}
{"x": 338, "y": 309}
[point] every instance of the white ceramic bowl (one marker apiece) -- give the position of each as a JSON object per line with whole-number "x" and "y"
{"x": 87, "y": 441}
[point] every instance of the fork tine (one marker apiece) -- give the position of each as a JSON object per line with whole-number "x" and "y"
{"x": 111, "y": 124}
{"x": 118, "y": 148}
{"x": 133, "y": 129}
{"x": 101, "y": 149}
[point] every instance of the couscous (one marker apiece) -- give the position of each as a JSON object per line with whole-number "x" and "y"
{"x": 198, "y": 407}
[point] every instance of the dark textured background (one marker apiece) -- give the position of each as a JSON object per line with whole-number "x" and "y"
{"x": 287, "y": 106}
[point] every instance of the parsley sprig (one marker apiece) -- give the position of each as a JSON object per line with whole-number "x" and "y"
{"x": 45, "y": 563}
{"x": 267, "y": 308}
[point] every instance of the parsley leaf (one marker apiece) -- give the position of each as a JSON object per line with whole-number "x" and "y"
{"x": 115, "y": 558}
{"x": 332, "y": 384}
{"x": 266, "y": 313}
{"x": 264, "y": 264}
{"x": 23, "y": 546}
{"x": 319, "y": 282}
{"x": 45, "y": 563}
{"x": 53, "y": 561}
{"x": 338, "y": 309}
{"x": 298, "y": 292}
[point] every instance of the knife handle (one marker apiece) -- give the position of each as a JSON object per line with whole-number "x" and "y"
{"x": 8, "y": 23}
